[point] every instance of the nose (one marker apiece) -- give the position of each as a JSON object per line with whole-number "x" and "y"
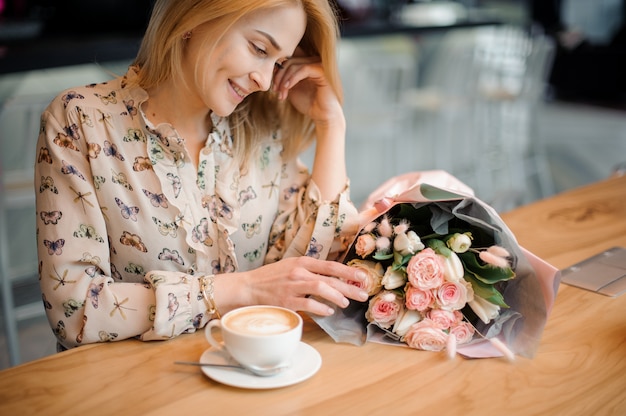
{"x": 263, "y": 76}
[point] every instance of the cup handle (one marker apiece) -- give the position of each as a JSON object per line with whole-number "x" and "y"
{"x": 208, "y": 332}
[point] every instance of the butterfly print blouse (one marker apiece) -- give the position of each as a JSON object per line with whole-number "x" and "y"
{"x": 126, "y": 223}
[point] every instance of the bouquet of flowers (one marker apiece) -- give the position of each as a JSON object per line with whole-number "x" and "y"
{"x": 443, "y": 273}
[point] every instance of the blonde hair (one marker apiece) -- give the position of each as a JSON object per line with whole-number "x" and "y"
{"x": 160, "y": 58}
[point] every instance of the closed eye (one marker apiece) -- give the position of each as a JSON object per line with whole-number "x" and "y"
{"x": 259, "y": 51}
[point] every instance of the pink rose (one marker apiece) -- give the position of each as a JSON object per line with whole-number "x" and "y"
{"x": 452, "y": 296}
{"x": 441, "y": 318}
{"x": 458, "y": 315}
{"x": 426, "y": 270}
{"x": 417, "y": 299}
{"x": 384, "y": 309}
{"x": 463, "y": 332}
{"x": 373, "y": 275}
{"x": 365, "y": 245}
{"x": 425, "y": 335}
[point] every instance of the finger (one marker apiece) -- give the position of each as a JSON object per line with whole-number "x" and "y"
{"x": 279, "y": 74}
{"x": 334, "y": 269}
{"x": 308, "y": 293}
{"x": 330, "y": 291}
{"x": 328, "y": 294}
{"x": 321, "y": 300}
{"x": 331, "y": 288}
{"x": 313, "y": 306}
{"x": 292, "y": 74}
{"x": 349, "y": 290}
{"x": 296, "y": 72}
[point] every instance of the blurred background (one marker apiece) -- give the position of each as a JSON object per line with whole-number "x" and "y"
{"x": 520, "y": 99}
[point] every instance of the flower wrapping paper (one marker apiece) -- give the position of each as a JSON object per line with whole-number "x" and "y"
{"x": 530, "y": 294}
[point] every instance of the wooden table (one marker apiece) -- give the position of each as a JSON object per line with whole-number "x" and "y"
{"x": 579, "y": 369}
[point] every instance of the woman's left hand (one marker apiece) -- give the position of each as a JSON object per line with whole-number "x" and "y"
{"x": 302, "y": 81}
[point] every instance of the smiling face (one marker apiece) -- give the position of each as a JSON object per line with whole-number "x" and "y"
{"x": 244, "y": 60}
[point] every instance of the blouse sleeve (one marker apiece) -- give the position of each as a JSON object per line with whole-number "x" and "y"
{"x": 85, "y": 302}
{"x": 308, "y": 225}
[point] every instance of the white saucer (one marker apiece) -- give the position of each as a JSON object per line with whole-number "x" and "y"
{"x": 306, "y": 362}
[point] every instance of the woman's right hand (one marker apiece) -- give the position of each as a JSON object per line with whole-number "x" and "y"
{"x": 293, "y": 283}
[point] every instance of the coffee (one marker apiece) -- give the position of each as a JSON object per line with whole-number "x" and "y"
{"x": 260, "y": 321}
{"x": 261, "y": 338}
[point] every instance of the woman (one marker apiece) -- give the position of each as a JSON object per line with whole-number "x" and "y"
{"x": 174, "y": 193}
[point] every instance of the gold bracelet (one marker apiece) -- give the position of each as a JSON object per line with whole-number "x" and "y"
{"x": 206, "y": 288}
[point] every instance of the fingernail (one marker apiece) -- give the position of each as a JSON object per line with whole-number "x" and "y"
{"x": 361, "y": 275}
{"x": 345, "y": 302}
{"x": 330, "y": 311}
{"x": 363, "y": 295}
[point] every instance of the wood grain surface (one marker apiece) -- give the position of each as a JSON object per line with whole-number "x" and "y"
{"x": 579, "y": 369}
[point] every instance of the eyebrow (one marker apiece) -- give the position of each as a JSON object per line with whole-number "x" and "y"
{"x": 270, "y": 39}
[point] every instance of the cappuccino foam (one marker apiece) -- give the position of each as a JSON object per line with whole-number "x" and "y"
{"x": 260, "y": 321}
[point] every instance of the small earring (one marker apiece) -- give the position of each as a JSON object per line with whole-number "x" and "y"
{"x": 187, "y": 35}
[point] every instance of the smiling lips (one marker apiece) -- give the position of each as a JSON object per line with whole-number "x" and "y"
{"x": 238, "y": 90}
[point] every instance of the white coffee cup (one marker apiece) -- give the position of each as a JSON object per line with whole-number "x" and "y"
{"x": 260, "y": 338}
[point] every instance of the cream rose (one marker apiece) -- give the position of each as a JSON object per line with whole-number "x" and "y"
{"x": 365, "y": 245}
{"x": 453, "y": 268}
{"x": 407, "y": 243}
{"x": 393, "y": 279}
{"x": 373, "y": 272}
{"x": 405, "y": 320}
{"x": 425, "y": 270}
{"x": 484, "y": 309}
{"x": 460, "y": 243}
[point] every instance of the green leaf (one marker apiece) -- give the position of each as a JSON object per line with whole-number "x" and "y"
{"x": 399, "y": 266}
{"x": 484, "y": 272}
{"x": 486, "y": 291}
{"x": 397, "y": 258}
{"x": 439, "y": 246}
{"x": 382, "y": 256}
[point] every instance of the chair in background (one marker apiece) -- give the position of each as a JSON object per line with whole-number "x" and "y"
{"x": 512, "y": 71}
{"x": 23, "y": 97}
{"x": 375, "y": 74}
{"x": 19, "y": 126}
{"x": 476, "y": 103}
